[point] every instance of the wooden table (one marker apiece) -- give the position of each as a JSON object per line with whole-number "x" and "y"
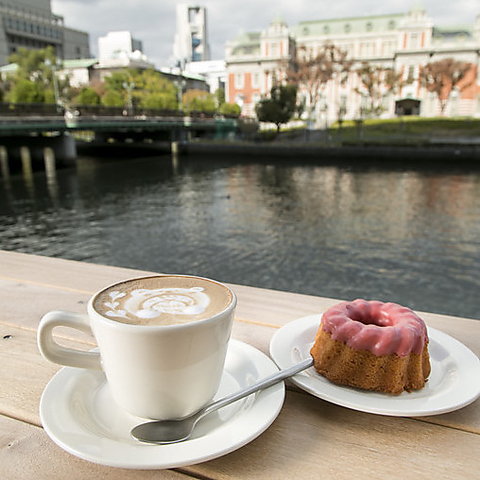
{"x": 310, "y": 438}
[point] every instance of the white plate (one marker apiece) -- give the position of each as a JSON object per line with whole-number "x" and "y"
{"x": 79, "y": 415}
{"x": 454, "y": 381}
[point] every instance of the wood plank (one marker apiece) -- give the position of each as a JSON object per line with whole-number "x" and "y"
{"x": 27, "y": 452}
{"x": 84, "y": 276}
{"x": 313, "y": 439}
{"x": 61, "y": 277}
{"x": 322, "y": 435}
{"x": 24, "y": 373}
{"x": 259, "y": 314}
{"x": 69, "y": 278}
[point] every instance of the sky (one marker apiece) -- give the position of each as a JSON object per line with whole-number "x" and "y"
{"x": 153, "y": 21}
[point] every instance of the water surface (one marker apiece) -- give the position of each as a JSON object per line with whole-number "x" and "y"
{"x": 404, "y": 234}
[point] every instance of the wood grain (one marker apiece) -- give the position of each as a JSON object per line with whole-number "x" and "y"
{"x": 310, "y": 439}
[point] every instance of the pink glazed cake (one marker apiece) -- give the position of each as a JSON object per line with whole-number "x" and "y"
{"x": 372, "y": 345}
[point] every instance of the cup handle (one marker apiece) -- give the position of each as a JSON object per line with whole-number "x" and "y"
{"x": 56, "y": 353}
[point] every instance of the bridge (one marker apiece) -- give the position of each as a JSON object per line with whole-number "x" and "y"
{"x": 34, "y": 133}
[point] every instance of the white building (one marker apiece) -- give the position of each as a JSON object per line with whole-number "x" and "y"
{"x": 214, "y": 72}
{"x": 191, "y": 41}
{"x": 404, "y": 42}
{"x": 116, "y": 44}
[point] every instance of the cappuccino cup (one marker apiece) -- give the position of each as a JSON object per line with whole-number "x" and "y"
{"x": 162, "y": 342}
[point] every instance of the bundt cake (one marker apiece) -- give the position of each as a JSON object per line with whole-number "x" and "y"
{"x": 372, "y": 345}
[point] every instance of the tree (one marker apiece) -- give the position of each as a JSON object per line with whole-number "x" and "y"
{"x": 33, "y": 81}
{"x": 153, "y": 90}
{"x": 279, "y": 107}
{"x": 26, "y": 91}
{"x": 442, "y": 76}
{"x": 311, "y": 71}
{"x": 113, "y": 98}
{"x": 117, "y": 89}
{"x": 377, "y": 83}
{"x": 87, "y": 96}
{"x": 200, "y": 101}
{"x": 230, "y": 109}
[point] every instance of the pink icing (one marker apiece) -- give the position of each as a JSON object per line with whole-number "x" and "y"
{"x": 381, "y": 328}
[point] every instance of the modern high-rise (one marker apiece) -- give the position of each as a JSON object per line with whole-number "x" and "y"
{"x": 32, "y": 25}
{"x": 191, "y": 42}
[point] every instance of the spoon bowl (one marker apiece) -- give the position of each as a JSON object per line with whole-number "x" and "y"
{"x": 179, "y": 430}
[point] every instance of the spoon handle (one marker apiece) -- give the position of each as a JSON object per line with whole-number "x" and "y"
{"x": 262, "y": 384}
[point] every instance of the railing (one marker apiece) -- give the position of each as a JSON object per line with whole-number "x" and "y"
{"x": 49, "y": 109}
{"x": 29, "y": 109}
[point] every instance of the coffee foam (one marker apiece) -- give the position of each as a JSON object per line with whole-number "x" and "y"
{"x": 163, "y": 300}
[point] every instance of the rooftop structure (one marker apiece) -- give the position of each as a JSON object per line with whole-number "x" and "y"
{"x": 114, "y": 44}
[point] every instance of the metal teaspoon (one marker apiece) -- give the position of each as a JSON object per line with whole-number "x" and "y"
{"x": 178, "y": 430}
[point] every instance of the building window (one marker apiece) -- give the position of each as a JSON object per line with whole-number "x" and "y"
{"x": 274, "y": 49}
{"x": 391, "y": 25}
{"x": 326, "y": 29}
{"x": 306, "y": 30}
{"x": 411, "y": 73}
{"x": 414, "y": 40}
{"x": 388, "y": 48}
{"x": 367, "y": 49}
{"x": 239, "y": 80}
{"x": 369, "y": 26}
{"x": 347, "y": 28}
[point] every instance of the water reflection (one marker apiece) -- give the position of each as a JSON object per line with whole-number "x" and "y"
{"x": 405, "y": 235}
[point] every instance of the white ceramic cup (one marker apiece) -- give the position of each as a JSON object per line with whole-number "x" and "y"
{"x": 153, "y": 371}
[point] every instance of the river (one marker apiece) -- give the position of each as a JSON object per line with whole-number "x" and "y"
{"x": 405, "y": 234}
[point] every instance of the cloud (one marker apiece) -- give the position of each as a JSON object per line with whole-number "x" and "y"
{"x": 154, "y": 23}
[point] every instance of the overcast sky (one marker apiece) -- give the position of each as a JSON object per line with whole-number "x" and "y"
{"x": 153, "y": 21}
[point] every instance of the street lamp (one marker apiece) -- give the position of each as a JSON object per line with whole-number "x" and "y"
{"x": 180, "y": 84}
{"x": 55, "y": 66}
{"x": 129, "y": 87}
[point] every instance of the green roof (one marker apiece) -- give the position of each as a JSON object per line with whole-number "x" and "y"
{"x": 10, "y": 68}
{"x": 248, "y": 38}
{"x": 454, "y": 29}
{"x": 357, "y": 25}
{"x": 80, "y": 63}
{"x": 247, "y": 43}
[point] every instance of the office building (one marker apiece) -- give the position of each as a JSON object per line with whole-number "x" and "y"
{"x": 32, "y": 24}
{"x": 191, "y": 41}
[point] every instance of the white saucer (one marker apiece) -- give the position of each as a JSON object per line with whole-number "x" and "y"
{"x": 79, "y": 415}
{"x": 454, "y": 381}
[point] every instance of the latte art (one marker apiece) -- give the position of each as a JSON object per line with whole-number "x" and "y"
{"x": 163, "y": 300}
{"x": 146, "y": 303}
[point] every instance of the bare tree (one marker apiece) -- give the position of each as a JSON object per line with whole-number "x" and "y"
{"x": 442, "y": 76}
{"x": 311, "y": 71}
{"x": 377, "y": 84}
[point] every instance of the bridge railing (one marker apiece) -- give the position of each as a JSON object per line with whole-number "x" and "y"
{"x": 49, "y": 109}
{"x": 29, "y": 109}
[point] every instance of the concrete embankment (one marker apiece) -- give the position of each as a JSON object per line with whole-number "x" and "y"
{"x": 434, "y": 153}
